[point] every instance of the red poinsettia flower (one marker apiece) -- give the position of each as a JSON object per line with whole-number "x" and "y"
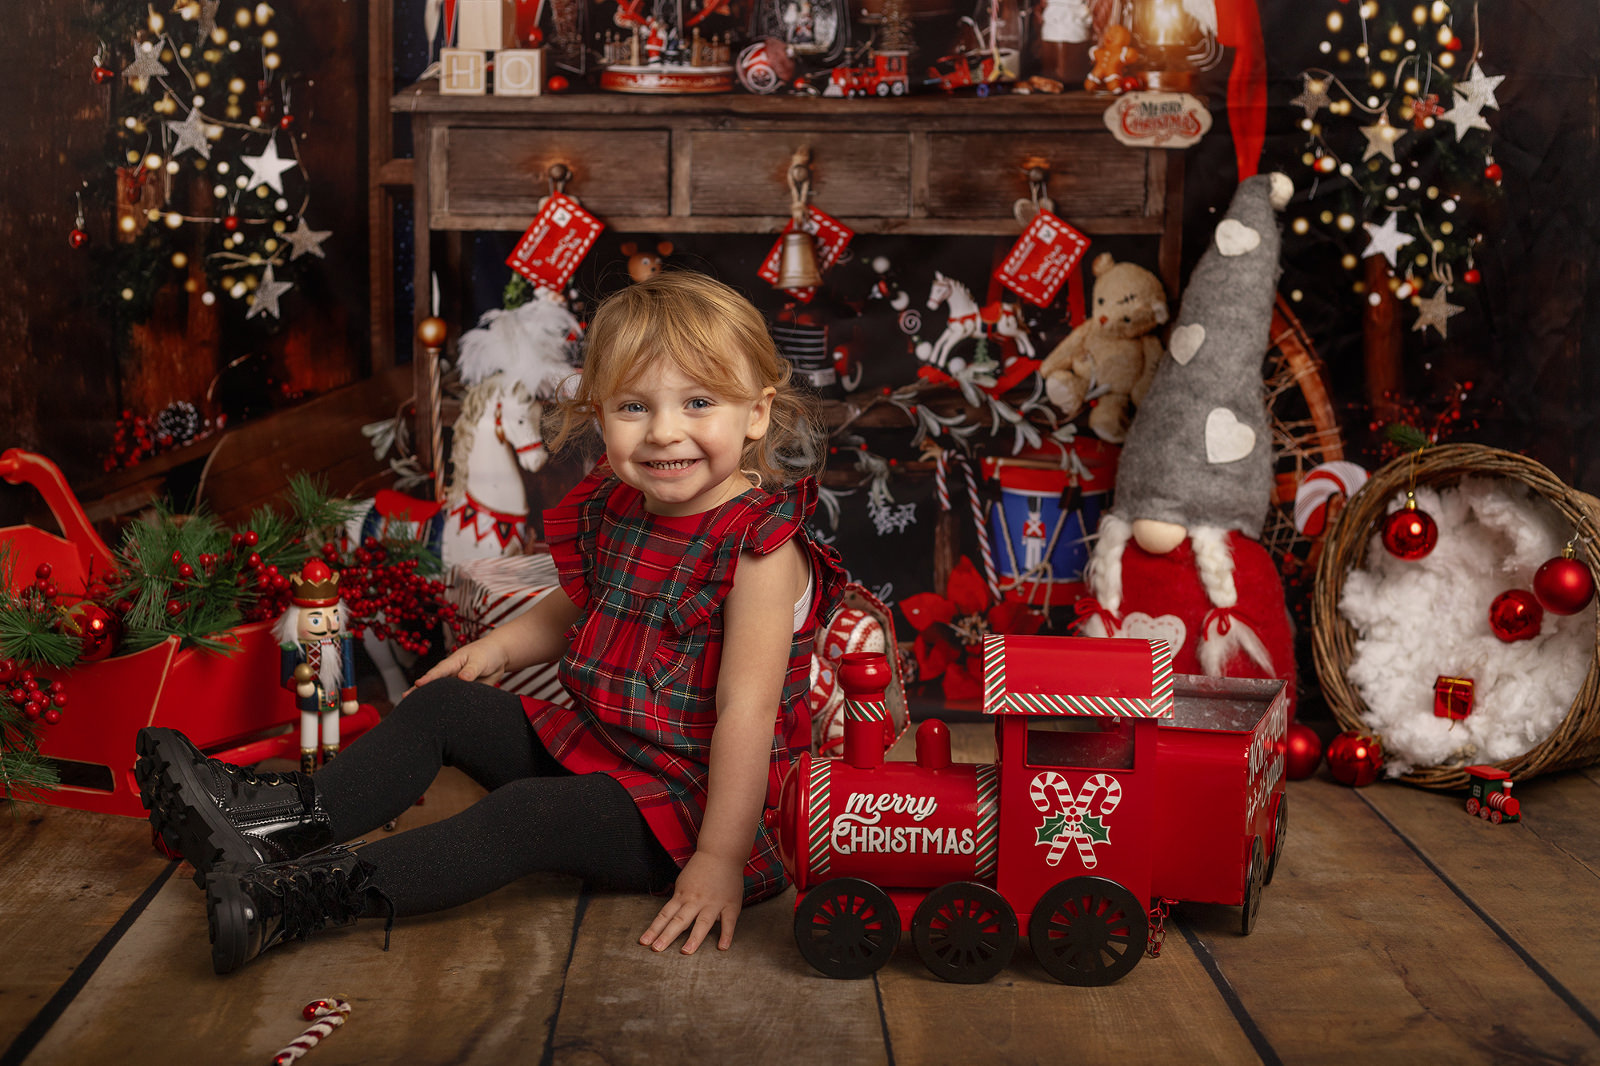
{"x": 950, "y": 629}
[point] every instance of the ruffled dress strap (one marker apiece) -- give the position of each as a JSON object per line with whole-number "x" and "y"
{"x": 572, "y": 527}
{"x": 758, "y": 522}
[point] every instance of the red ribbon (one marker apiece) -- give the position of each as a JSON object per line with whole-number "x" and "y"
{"x": 1088, "y": 607}
{"x": 1239, "y": 28}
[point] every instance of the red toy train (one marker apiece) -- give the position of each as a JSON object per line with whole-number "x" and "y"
{"x": 1489, "y": 795}
{"x": 1118, "y": 789}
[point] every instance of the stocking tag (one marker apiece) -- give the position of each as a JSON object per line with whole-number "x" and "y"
{"x": 562, "y": 232}
{"x": 828, "y": 237}
{"x": 1038, "y": 264}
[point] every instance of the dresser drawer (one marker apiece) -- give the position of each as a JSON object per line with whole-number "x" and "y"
{"x": 745, "y": 173}
{"x": 982, "y": 175}
{"x": 504, "y": 171}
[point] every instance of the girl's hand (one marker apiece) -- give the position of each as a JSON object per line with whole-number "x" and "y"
{"x": 709, "y": 890}
{"x": 478, "y": 661}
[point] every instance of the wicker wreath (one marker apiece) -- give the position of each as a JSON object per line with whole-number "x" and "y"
{"x": 1576, "y": 741}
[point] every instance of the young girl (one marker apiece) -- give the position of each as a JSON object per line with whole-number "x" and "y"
{"x": 689, "y": 594}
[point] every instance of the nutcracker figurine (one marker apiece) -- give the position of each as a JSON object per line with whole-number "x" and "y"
{"x": 318, "y": 659}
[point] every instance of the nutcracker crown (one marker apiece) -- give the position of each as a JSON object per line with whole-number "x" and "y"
{"x": 316, "y": 585}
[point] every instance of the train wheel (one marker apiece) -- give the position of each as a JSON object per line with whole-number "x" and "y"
{"x": 1473, "y": 805}
{"x": 1496, "y": 817}
{"x": 1252, "y": 888}
{"x": 847, "y": 927}
{"x": 1280, "y": 829}
{"x": 1088, "y": 931}
{"x": 964, "y": 932}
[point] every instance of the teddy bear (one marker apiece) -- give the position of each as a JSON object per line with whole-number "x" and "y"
{"x": 1112, "y": 356}
{"x": 1112, "y": 58}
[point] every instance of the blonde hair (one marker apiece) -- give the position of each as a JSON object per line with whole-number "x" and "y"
{"x": 713, "y": 335}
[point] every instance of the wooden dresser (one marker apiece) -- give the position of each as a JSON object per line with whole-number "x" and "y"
{"x": 660, "y": 165}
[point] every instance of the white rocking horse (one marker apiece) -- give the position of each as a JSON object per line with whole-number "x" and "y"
{"x": 510, "y": 363}
{"x": 962, "y": 321}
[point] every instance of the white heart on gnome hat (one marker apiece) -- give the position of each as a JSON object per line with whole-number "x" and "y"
{"x": 1186, "y": 340}
{"x": 1227, "y": 439}
{"x": 1168, "y": 627}
{"x": 1235, "y": 238}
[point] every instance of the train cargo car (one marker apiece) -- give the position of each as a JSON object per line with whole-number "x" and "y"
{"x": 1223, "y": 811}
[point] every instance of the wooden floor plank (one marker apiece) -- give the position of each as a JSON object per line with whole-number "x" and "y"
{"x": 1534, "y": 878}
{"x": 758, "y": 1002}
{"x": 1560, "y": 810}
{"x": 1361, "y": 949}
{"x": 1025, "y": 1016}
{"x": 478, "y": 984}
{"x": 66, "y": 878}
{"x": 1165, "y": 1011}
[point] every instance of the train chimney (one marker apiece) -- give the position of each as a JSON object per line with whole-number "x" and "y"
{"x": 865, "y": 676}
{"x": 933, "y": 745}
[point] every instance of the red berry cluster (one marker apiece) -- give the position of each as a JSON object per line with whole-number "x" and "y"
{"x": 1440, "y": 418}
{"x": 391, "y": 598}
{"x": 134, "y": 441}
{"x": 271, "y": 587}
{"x": 39, "y": 698}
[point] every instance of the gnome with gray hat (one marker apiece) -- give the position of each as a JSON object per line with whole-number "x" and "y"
{"x": 1179, "y": 554}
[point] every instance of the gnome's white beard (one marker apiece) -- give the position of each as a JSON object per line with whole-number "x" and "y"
{"x": 1220, "y": 639}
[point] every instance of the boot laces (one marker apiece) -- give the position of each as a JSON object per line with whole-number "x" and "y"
{"x": 248, "y": 776}
{"x": 317, "y": 890}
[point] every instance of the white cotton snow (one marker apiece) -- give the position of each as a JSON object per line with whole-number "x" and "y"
{"x": 1416, "y": 621}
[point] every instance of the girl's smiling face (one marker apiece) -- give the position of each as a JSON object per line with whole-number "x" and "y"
{"x": 678, "y": 441}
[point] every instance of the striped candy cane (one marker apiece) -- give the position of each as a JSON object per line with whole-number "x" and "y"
{"x": 1108, "y": 803}
{"x": 1049, "y": 792}
{"x": 941, "y": 478}
{"x": 980, "y": 522}
{"x": 329, "y": 1014}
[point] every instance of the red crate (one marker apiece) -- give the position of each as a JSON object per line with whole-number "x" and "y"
{"x": 232, "y": 706}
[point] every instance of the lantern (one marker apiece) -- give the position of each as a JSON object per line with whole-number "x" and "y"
{"x": 1173, "y": 43}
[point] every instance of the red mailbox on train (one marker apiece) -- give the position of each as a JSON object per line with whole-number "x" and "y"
{"x": 1118, "y": 788}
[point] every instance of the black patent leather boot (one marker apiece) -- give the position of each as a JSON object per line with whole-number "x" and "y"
{"x": 252, "y": 909}
{"x": 212, "y": 812}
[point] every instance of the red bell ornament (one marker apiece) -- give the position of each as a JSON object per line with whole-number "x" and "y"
{"x": 1355, "y": 759}
{"x": 1564, "y": 585}
{"x": 1515, "y": 615}
{"x": 1410, "y": 533}
{"x": 1302, "y": 751}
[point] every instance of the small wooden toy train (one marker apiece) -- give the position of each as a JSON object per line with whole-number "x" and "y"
{"x": 1489, "y": 795}
{"x": 1118, "y": 789}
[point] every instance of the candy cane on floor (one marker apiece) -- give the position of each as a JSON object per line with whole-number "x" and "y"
{"x": 328, "y": 1015}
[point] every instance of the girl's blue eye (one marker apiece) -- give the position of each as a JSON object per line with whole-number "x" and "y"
{"x": 700, "y": 403}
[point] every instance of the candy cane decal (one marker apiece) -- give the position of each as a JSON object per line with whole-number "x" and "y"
{"x": 1076, "y": 821}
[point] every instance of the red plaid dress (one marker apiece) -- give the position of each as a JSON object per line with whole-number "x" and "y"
{"x": 643, "y": 658}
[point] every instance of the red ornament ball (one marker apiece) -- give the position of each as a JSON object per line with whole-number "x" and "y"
{"x": 1410, "y": 533}
{"x": 101, "y": 75}
{"x": 1472, "y": 276}
{"x": 96, "y": 628}
{"x": 556, "y": 83}
{"x": 77, "y": 238}
{"x": 1563, "y": 585}
{"x": 1355, "y": 759}
{"x": 533, "y": 38}
{"x": 286, "y": 121}
{"x": 1302, "y": 751}
{"x": 230, "y": 223}
{"x": 1492, "y": 172}
{"x": 1515, "y": 615}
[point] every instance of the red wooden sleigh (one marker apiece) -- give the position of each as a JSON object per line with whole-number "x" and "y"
{"x": 232, "y": 706}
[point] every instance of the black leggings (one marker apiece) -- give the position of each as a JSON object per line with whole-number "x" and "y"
{"x": 537, "y": 817}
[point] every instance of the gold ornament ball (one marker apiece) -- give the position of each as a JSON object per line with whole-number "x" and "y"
{"x": 431, "y": 332}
